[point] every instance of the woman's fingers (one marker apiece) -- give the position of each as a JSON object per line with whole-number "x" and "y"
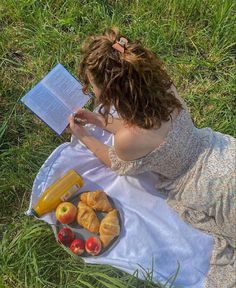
{"x": 80, "y": 116}
{"x": 80, "y": 112}
{"x": 71, "y": 120}
{"x": 79, "y": 109}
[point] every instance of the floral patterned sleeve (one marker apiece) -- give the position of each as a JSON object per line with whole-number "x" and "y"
{"x": 122, "y": 167}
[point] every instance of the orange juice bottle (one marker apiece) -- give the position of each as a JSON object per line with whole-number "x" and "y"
{"x": 58, "y": 192}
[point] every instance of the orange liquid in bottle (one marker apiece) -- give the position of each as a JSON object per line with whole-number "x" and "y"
{"x": 58, "y": 192}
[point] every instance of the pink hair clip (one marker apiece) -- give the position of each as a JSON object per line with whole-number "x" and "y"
{"x": 120, "y": 45}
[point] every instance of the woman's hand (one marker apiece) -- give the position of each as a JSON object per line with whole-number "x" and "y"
{"x": 89, "y": 117}
{"x": 77, "y": 129}
{"x": 97, "y": 147}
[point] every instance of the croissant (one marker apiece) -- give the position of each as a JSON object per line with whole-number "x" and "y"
{"x": 97, "y": 200}
{"x": 109, "y": 227}
{"x": 87, "y": 218}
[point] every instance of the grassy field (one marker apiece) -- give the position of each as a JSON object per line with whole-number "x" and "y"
{"x": 195, "y": 38}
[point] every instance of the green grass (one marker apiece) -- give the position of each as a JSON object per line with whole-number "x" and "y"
{"x": 197, "y": 41}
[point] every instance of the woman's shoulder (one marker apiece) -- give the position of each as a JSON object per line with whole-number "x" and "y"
{"x": 132, "y": 143}
{"x": 127, "y": 144}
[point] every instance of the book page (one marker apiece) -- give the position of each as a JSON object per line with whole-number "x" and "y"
{"x": 65, "y": 87}
{"x": 47, "y": 107}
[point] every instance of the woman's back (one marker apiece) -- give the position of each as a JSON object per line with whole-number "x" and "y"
{"x": 168, "y": 150}
{"x": 177, "y": 152}
{"x": 132, "y": 142}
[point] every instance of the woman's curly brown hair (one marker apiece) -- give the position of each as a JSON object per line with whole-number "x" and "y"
{"x": 134, "y": 81}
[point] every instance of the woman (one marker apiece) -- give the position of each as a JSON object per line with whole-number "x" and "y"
{"x": 154, "y": 132}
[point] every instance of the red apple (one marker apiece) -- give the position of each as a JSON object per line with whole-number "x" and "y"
{"x": 66, "y": 212}
{"x": 78, "y": 246}
{"x": 93, "y": 246}
{"x": 66, "y": 236}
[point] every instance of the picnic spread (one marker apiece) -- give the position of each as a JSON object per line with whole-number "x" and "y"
{"x": 152, "y": 235}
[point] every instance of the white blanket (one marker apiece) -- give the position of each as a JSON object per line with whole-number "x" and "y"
{"x": 151, "y": 232}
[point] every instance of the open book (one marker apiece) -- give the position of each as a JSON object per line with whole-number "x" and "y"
{"x": 55, "y": 97}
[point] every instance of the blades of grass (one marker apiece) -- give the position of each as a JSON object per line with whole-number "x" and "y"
{"x": 86, "y": 284}
{"x": 183, "y": 32}
{"x": 171, "y": 279}
{"x": 5, "y": 123}
{"x": 111, "y": 280}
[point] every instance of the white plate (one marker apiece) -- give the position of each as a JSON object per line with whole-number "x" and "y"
{"x": 83, "y": 233}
